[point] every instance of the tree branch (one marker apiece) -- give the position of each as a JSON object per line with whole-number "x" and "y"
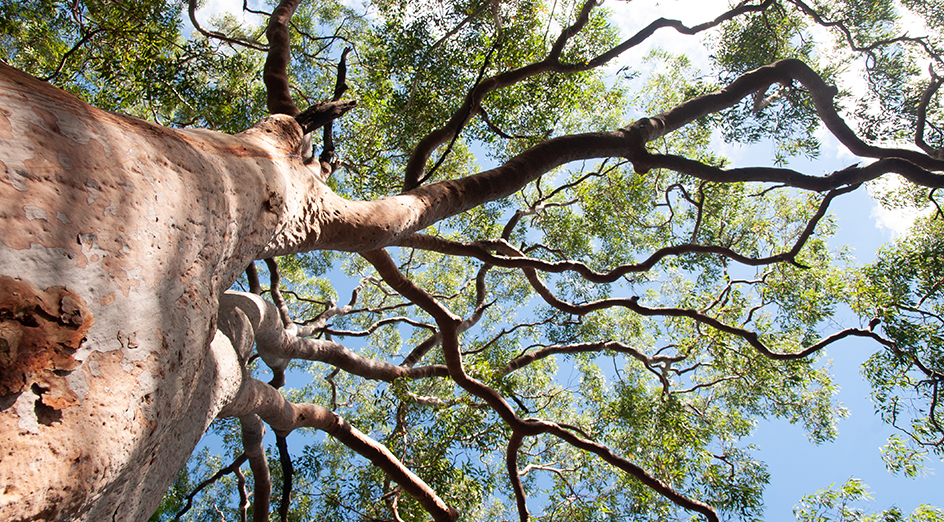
{"x": 252, "y": 432}
{"x": 244, "y": 42}
{"x": 515, "y": 259}
{"x": 275, "y": 71}
{"x": 232, "y": 468}
{"x": 511, "y": 462}
{"x": 265, "y": 401}
{"x": 447, "y": 323}
{"x": 285, "y": 460}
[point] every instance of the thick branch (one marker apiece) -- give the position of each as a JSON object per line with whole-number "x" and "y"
{"x": 551, "y": 63}
{"x": 336, "y": 354}
{"x": 784, "y": 72}
{"x": 364, "y": 226}
{"x": 252, "y": 432}
{"x": 278, "y": 345}
{"x": 322, "y": 114}
{"x": 275, "y": 71}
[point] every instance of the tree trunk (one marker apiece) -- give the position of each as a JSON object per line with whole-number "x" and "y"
{"x": 117, "y": 237}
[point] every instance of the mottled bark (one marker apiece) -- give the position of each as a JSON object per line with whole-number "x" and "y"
{"x": 118, "y": 239}
{"x": 131, "y": 231}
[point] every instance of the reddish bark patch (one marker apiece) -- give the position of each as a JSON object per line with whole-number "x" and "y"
{"x": 40, "y": 330}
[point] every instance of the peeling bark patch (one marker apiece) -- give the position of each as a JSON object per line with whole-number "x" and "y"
{"x": 39, "y": 332}
{"x": 6, "y": 130}
{"x": 34, "y": 213}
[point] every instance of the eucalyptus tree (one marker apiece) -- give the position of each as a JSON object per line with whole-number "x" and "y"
{"x": 588, "y": 327}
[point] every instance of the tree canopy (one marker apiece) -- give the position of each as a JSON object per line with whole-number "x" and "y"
{"x": 602, "y": 306}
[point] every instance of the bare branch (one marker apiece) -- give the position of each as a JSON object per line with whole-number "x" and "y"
{"x": 244, "y": 42}
{"x": 232, "y": 468}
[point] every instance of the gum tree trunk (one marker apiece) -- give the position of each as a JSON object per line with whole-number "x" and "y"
{"x": 117, "y": 238}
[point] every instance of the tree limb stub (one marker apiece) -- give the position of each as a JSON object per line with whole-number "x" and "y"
{"x": 323, "y": 113}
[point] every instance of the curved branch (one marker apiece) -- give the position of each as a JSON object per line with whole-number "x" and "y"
{"x": 784, "y": 72}
{"x": 62, "y": 62}
{"x": 276, "y": 293}
{"x": 751, "y": 337}
{"x": 278, "y": 345}
{"x": 551, "y": 63}
{"x": 520, "y": 427}
{"x": 423, "y": 348}
{"x": 232, "y": 468}
{"x": 649, "y": 30}
{"x": 245, "y": 42}
{"x": 547, "y": 351}
{"x": 256, "y": 397}
{"x": 515, "y": 259}
{"x": 637, "y": 472}
{"x": 364, "y": 226}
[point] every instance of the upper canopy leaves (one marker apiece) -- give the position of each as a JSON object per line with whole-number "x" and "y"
{"x": 642, "y": 307}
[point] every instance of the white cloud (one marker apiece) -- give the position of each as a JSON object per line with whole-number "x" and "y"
{"x": 633, "y": 16}
{"x": 211, "y": 9}
{"x": 898, "y": 220}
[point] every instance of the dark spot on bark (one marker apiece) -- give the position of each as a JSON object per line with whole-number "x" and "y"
{"x": 7, "y": 401}
{"x": 40, "y": 330}
{"x": 45, "y": 414}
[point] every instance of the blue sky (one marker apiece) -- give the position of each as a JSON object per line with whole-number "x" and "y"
{"x": 797, "y": 466}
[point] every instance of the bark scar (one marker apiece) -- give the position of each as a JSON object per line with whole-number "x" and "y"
{"x": 40, "y": 330}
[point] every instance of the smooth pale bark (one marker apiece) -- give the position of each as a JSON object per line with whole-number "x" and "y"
{"x": 116, "y": 238}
